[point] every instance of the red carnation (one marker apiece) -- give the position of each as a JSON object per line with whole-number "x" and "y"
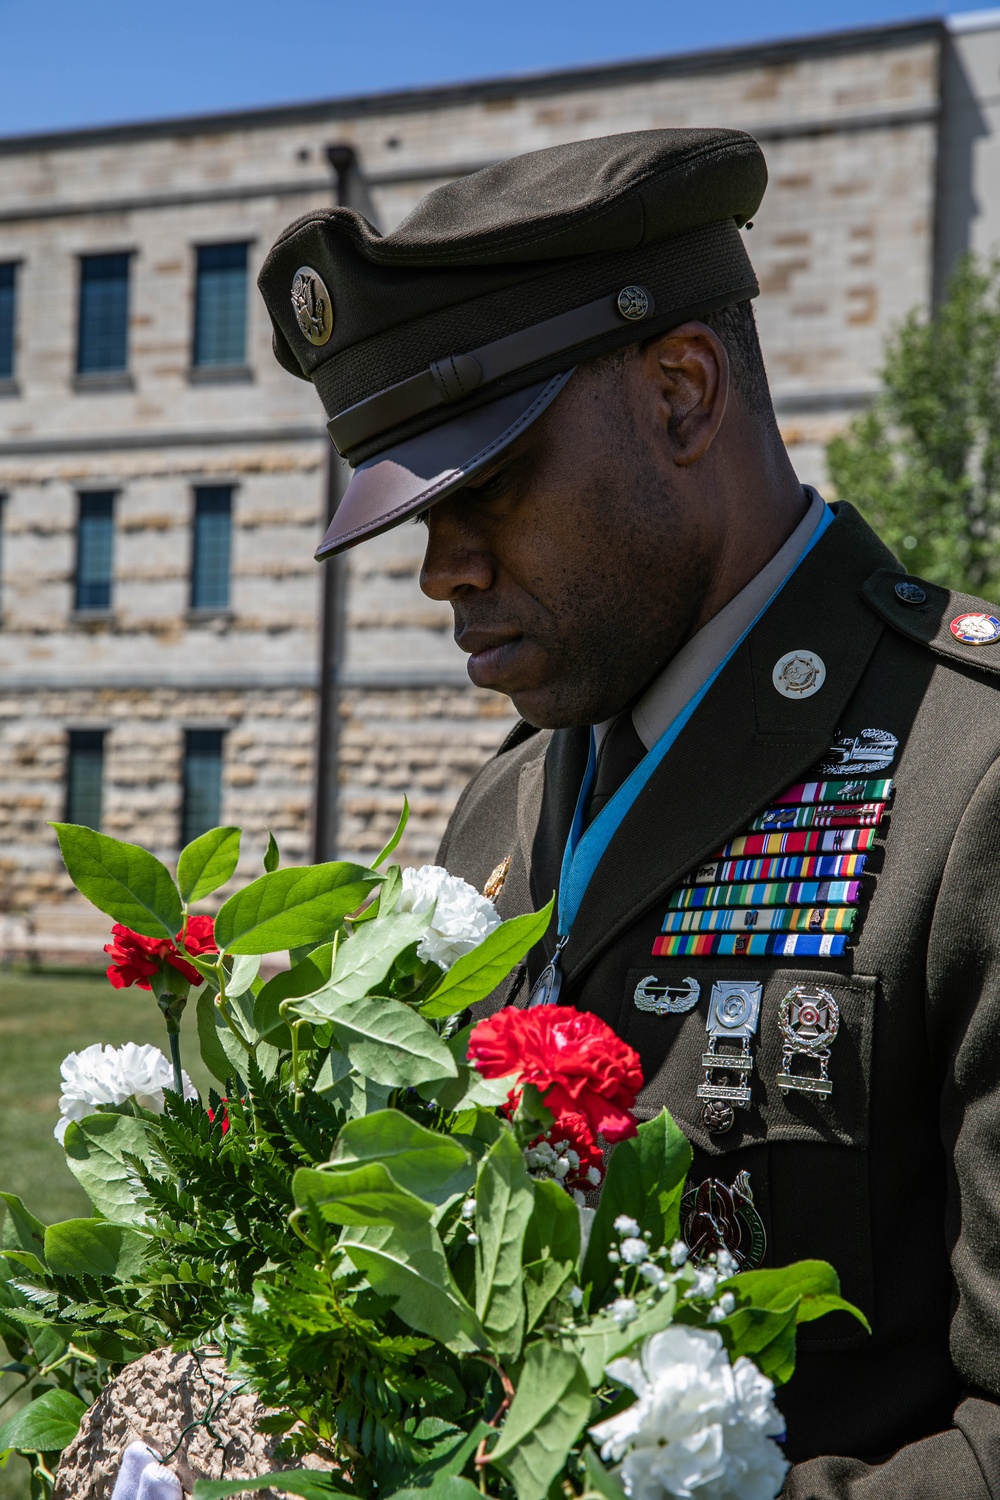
{"x": 586, "y": 1074}
{"x": 136, "y": 958}
{"x": 222, "y": 1114}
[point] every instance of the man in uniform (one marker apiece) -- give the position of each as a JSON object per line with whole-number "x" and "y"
{"x": 757, "y": 762}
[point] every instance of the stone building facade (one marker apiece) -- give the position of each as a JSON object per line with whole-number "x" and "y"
{"x": 884, "y": 164}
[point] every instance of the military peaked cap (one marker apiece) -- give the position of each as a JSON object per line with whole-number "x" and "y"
{"x": 435, "y": 346}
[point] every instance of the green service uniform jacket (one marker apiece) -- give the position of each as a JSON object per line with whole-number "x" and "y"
{"x": 895, "y": 1176}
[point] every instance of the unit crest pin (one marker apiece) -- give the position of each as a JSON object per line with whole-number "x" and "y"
{"x": 808, "y": 1020}
{"x": 720, "y": 1216}
{"x": 799, "y": 674}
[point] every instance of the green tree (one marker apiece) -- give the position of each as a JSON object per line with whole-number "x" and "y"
{"x": 923, "y": 462}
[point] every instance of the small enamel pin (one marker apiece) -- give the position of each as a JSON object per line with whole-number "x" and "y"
{"x": 494, "y": 885}
{"x": 975, "y": 629}
{"x": 719, "y": 1216}
{"x": 799, "y": 674}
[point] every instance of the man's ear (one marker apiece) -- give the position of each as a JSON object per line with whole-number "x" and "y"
{"x": 690, "y": 367}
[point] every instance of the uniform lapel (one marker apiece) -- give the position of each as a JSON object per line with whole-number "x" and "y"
{"x": 744, "y": 744}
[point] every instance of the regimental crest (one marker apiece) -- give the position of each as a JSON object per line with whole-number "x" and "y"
{"x": 495, "y": 884}
{"x": 860, "y": 754}
{"x": 799, "y": 674}
{"x": 975, "y": 629}
{"x": 312, "y": 305}
{"x": 719, "y": 1216}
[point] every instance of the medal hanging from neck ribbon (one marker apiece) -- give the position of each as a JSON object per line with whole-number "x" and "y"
{"x": 585, "y": 848}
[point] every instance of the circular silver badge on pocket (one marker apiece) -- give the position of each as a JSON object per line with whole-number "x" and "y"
{"x": 799, "y": 674}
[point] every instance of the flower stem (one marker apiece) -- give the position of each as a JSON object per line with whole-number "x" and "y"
{"x": 175, "y": 1058}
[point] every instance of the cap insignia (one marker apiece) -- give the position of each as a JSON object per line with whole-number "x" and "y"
{"x": 312, "y": 305}
{"x": 633, "y": 303}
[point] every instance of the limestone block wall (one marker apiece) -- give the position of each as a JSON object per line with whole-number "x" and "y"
{"x": 848, "y": 239}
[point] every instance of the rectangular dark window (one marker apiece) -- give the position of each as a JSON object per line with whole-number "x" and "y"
{"x": 102, "y": 338}
{"x": 202, "y": 807}
{"x": 85, "y": 777}
{"x": 220, "y": 306}
{"x": 95, "y": 550}
{"x": 211, "y": 547}
{"x": 8, "y": 292}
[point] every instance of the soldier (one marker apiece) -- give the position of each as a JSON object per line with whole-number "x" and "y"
{"x": 757, "y": 762}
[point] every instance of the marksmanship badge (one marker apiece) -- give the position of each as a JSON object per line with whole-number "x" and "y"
{"x": 809, "y": 1020}
{"x": 312, "y": 305}
{"x": 733, "y": 1014}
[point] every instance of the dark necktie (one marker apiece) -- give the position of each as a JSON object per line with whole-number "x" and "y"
{"x": 621, "y": 751}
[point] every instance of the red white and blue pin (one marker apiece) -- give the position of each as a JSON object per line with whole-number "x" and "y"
{"x": 976, "y": 629}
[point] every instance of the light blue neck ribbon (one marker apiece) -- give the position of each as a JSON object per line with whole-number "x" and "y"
{"x": 584, "y": 851}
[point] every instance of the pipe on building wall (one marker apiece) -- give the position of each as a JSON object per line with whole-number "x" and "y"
{"x": 350, "y": 190}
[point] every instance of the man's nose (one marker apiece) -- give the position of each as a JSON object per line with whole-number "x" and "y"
{"x": 456, "y": 557}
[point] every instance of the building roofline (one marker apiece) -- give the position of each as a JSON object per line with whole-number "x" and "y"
{"x": 405, "y": 101}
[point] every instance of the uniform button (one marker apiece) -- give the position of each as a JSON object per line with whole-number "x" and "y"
{"x": 911, "y": 593}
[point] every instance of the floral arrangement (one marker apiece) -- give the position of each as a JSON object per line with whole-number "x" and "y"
{"x": 387, "y": 1216}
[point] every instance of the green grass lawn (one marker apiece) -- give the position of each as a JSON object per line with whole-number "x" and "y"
{"x": 42, "y": 1017}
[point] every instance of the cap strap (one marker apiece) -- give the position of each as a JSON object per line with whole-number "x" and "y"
{"x": 454, "y": 376}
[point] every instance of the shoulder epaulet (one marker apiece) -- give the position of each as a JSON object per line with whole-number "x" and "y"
{"x": 522, "y": 731}
{"x": 959, "y": 626}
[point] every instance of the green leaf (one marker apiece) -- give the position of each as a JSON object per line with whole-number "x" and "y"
{"x": 433, "y": 1166}
{"x": 126, "y": 882}
{"x": 272, "y": 857}
{"x": 443, "y": 1487}
{"x": 311, "y": 1484}
{"x": 304, "y": 978}
{"x": 364, "y": 959}
{"x": 543, "y": 1281}
{"x": 602, "y": 1340}
{"x": 546, "y": 1417}
{"x": 391, "y": 846}
{"x": 645, "y": 1179}
{"x": 358, "y": 1195}
{"x": 347, "y": 1090}
{"x": 770, "y": 1306}
{"x": 21, "y": 1230}
{"x": 600, "y": 1479}
{"x": 477, "y": 974}
{"x": 504, "y": 1203}
{"x": 410, "y": 1265}
{"x": 46, "y": 1425}
{"x": 384, "y": 1039}
{"x": 96, "y": 1148}
{"x": 207, "y": 863}
{"x": 289, "y": 908}
{"x": 554, "y": 1229}
{"x": 211, "y": 1028}
{"x": 93, "y": 1247}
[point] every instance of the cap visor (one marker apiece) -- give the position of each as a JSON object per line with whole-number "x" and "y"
{"x": 413, "y": 475}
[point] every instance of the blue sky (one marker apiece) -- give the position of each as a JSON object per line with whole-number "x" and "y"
{"x": 65, "y": 63}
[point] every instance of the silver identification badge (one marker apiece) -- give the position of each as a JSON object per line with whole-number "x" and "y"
{"x": 733, "y": 1017}
{"x": 809, "y": 1021}
{"x": 660, "y": 999}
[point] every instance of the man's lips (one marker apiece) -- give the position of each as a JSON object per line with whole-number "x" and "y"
{"x": 491, "y": 654}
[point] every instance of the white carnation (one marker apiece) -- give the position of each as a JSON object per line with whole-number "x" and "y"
{"x": 701, "y": 1428}
{"x": 462, "y": 917}
{"x": 110, "y": 1075}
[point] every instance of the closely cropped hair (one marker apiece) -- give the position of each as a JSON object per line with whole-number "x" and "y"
{"x": 737, "y": 329}
{"x": 736, "y": 326}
